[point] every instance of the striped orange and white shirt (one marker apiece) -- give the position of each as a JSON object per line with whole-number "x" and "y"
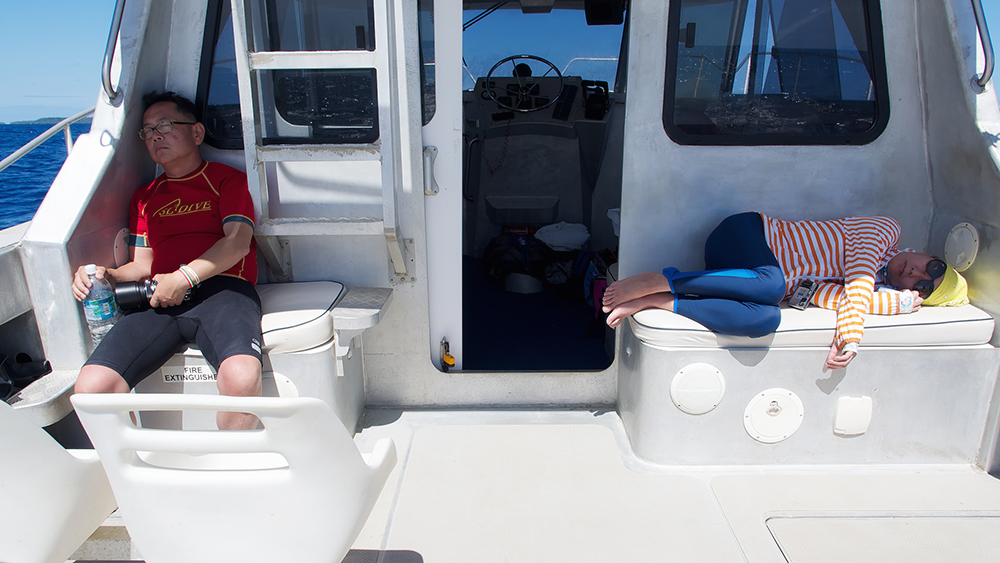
{"x": 844, "y": 256}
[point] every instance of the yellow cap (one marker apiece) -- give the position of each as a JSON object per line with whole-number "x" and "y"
{"x": 952, "y": 292}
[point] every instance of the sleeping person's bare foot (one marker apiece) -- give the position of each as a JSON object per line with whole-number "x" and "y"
{"x": 663, "y": 300}
{"x": 634, "y": 287}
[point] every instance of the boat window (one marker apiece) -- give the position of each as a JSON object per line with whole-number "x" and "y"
{"x": 319, "y": 25}
{"x": 561, "y": 36}
{"x": 319, "y": 106}
{"x": 218, "y": 86}
{"x": 302, "y": 106}
{"x": 428, "y": 80}
{"x": 755, "y": 72}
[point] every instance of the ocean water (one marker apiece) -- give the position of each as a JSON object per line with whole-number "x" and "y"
{"x": 24, "y": 184}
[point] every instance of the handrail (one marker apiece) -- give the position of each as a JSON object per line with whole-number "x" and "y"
{"x": 984, "y": 37}
{"x": 468, "y": 169}
{"x": 591, "y": 59}
{"x": 109, "y": 52}
{"x": 64, "y": 125}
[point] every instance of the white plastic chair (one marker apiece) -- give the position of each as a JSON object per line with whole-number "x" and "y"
{"x": 51, "y": 499}
{"x": 296, "y": 490}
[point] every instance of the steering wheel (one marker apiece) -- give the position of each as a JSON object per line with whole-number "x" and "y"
{"x": 527, "y": 86}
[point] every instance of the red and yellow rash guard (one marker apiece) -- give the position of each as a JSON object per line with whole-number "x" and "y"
{"x": 844, "y": 256}
{"x": 181, "y": 218}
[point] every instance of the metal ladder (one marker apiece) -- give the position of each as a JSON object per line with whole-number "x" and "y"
{"x": 386, "y": 149}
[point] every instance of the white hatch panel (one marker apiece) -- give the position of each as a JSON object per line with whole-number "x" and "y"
{"x": 697, "y": 388}
{"x": 962, "y": 246}
{"x": 852, "y": 416}
{"x": 773, "y": 415}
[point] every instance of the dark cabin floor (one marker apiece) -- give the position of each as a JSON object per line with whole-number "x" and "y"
{"x": 506, "y": 331}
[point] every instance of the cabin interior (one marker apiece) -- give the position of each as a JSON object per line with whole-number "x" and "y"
{"x": 403, "y": 155}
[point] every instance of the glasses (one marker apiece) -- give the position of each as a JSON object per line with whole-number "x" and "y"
{"x": 935, "y": 269}
{"x": 163, "y": 127}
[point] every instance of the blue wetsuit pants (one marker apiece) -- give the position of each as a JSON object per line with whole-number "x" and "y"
{"x": 739, "y": 290}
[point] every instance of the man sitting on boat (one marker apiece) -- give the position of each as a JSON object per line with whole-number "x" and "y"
{"x": 754, "y": 261}
{"x": 192, "y": 226}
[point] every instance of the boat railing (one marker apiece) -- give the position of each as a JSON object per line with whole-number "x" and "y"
{"x": 31, "y": 145}
{"x": 109, "y": 53}
{"x": 588, "y": 59}
{"x": 984, "y": 37}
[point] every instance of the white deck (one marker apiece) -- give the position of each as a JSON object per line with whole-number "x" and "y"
{"x": 564, "y": 486}
{"x": 527, "y": 486}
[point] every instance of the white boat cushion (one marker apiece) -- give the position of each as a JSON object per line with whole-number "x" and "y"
{"x": 298, "y": 316}
{"x": 929, "y": 326}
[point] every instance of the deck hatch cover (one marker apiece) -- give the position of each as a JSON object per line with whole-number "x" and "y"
{"x": 886, "y": 538}
{"x": 773, "y": 415}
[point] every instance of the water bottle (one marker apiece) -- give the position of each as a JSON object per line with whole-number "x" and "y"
{"x": 99, "y": 306}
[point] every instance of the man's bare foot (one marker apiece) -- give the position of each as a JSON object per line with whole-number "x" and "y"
{"x": 634, "y": 287}
{"x": 663, "y": 300}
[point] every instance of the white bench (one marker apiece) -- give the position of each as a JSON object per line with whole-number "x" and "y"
{"x": 685, "y": 393}
{"x": 814, "y": 327}
{"x": 304, "y": 315}
{"x": 309, "y": 330}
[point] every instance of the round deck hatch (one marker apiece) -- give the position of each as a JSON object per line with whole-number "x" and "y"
{"x": 962, "y": 246}
{"x": 697, "y": 388}
{"x": 773, "y": 415}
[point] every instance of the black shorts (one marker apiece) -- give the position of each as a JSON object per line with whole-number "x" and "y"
{"x": 223, "y": 320}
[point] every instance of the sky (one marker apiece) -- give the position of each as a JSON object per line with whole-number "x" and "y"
{"x": 52, "y": 56}
{"x": 53, "y": 51}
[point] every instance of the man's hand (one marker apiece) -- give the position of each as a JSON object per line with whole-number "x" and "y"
{"x": 135, "y": 270}
{"x": 837, "y": 360}
{"x": 170, "y": 289}
{"x": 81, "y": 281}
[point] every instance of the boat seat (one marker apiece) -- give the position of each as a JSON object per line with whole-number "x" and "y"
{"x": 814, "y": 327}
{"x": 51, "y": 499}
{"x": 296, "y": 316}
{"x": 299, "y": 316}
{"x": 309, "y": 330}
{"x": 296, "y": 490}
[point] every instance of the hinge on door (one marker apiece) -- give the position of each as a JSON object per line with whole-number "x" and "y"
{"x": 401, "y": 262}
{"x": 276, "y": 256}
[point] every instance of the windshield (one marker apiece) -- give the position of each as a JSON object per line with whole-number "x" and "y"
{"x": 561, "y": 37}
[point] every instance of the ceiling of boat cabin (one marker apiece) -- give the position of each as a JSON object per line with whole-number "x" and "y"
{"x": 527, "y": 6}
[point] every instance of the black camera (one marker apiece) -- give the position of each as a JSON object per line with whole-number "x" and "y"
{"x": 135, "y": 296}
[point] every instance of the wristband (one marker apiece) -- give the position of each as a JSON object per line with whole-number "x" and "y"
{"x": 190, "y": 274}
{"x": 186, "y": 276}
